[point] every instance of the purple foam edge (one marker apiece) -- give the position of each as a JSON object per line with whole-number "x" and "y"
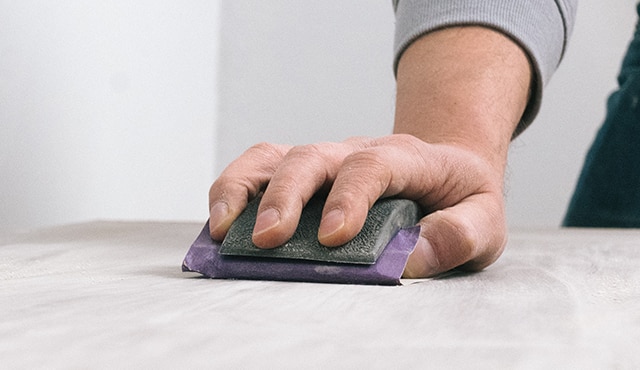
{"x": 203, "y": 257}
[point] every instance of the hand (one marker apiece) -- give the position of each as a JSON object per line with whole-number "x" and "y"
{"x": 461, "y": 92}
{"x": 459, "y": 191}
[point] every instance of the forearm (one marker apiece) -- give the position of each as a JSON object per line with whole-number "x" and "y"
{"x": 465, "y": 86}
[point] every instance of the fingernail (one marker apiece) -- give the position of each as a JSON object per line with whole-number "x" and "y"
{"x": 218, "y": 215}
{"x": 423, "y": 261}
{"x": 331, "y": 223}
{"x": 266, "y": 220}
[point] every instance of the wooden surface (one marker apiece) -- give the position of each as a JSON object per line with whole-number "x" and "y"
{"x": 111, "y": 295}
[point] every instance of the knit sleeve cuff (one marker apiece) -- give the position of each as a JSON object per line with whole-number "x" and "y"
{"x": 541, "y": 28}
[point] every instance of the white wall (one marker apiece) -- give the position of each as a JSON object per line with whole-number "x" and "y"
{"x": 107, "y": 110}
{"x": 299, "y": 72}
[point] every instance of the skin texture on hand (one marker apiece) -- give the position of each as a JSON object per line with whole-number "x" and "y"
{"x": 461, "y": 92}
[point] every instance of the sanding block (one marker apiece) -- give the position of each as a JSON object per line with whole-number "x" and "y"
{"x": 377, "y": 255}
{"x": 384, "y": 219}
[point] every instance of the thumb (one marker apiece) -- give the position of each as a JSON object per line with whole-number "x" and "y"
{"x": 465, "y": 235}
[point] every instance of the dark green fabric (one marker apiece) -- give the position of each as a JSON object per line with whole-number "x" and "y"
{"x": 608, "y": 190}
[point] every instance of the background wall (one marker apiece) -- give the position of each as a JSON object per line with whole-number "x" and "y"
{"x": 112, "y": 109}
{"x": 107, "y": 110}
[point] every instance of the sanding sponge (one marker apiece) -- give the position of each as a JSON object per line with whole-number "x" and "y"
{"x": 385, "y": 218}
{"x": 377, "y": 255}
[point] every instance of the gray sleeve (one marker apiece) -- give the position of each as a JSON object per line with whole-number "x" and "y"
{"x": 542, "y": 28}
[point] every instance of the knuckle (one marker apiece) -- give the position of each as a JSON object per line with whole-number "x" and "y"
{"x": 368, "y": 167}
{"x": 316, "y": 164}
{"x": 307, "y": 152}
{"x": 265, "y": 152}
{"x": 371, "y": 159}
{"x": 401, "y": 139}
{"x": 403, "y": 142}
{"x": 360, "y": 142}
{"x": 237, "y": 184}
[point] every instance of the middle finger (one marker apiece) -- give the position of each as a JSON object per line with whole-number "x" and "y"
{"x": 304, "y": 171}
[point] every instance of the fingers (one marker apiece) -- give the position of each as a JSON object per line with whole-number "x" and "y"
{"x": 362, "y": 179}
{"x": 240, "y": 182}
{"x": 289, "y": 177}
{"x": 303, "y": 172}
{"x": 400, "y": 165}
{"x": 470, "y": 235}
{"x": 383, "y": 169}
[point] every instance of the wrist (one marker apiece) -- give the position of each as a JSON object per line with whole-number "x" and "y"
{"x": 463, "y": 86}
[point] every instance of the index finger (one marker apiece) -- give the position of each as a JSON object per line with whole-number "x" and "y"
{"x": 240, "y": 182}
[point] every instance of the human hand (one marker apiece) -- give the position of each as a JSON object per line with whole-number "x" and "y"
{"x": 461, "y": 92}
{"x": 461, "y": 195}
